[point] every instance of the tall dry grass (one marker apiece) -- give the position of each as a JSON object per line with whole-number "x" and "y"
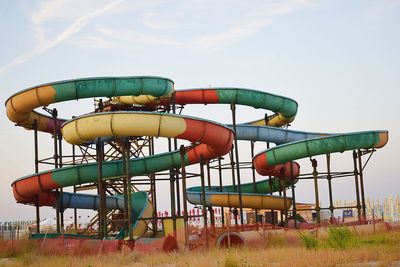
{"x": 285, "y": 250}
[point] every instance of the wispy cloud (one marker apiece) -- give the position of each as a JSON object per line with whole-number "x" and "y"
{"x": 72, "y": 29}
{"x": 232, "y": 35}
{"x": 131, "y": 36}
{"x": 162, "y": 28}
{"x": 46, "y": 11}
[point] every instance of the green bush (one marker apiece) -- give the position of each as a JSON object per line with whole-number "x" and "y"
{"x": 309, "y": 241}
{"x": 339, "y": 237}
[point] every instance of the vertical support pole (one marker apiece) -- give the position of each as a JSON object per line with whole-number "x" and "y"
{"x": 75, "y": 210}
{"x": 35, "y": 138}
{"x": 60, "y": 164}
{"x": 356, "y": 185}
{"x": 125, "y": 164}
{"x": 360, "y": 167}
{"x": 329, "y": 178}
{"x": 55, "y": 147}
{"x": 315, "y": 174}
{"x": 228, "y": 224}
{"x": 233, "y": 108}
{"x": 280, "y": 194}
{"x": 282, "y": 181}
{"x": 233, "y": 181}
{"x": 101, "y": 190}
{"x": 220, "y": 189}
{"x": 36, "y": 145}
{"x": 270, "y": 188}
{"x": 185, "y": 210}
{"x": 294, "y": 213}
{"x": 153, "y": 190}
{"x": 178, "y": 197}
{"x": 172, "y": 191}
{"x": 253, "y": 172}
{"x": 60, "y": 151}
{"x": 129, "y": 186}
{"x": 212, "y": 217}
{"x": 203, "y": 198}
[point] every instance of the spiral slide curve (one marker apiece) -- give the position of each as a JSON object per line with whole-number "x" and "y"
{"x": 212, "y": 139}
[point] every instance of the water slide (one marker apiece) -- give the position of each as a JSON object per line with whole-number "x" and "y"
{"x": 209, "y": 139}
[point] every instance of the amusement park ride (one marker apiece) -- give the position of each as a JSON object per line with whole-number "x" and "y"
{"x": 113, "y": 152}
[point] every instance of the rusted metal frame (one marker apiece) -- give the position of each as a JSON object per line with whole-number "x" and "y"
{"x": 172, "y": 191}
{"x": 317, "y": 209}
{"x": 108, "y": 187}
{"x": 116, "y": 150}
{"x": 347, "y": 174}
{"x": 101, "y": 188}
{"x": 114, "y": 185}
{"x": 85, "y": 154}
{"x": 220, "y": 189}
{"x": 50, "y": 160}
{"x": 210, "y": 208}
{"x": 178, "y": 197}
{"x": 282, "y": 183}
{"x": 266, "y": 120}
{"x": 369, "y": 157}
{"x": 281, "y": 195}
{"x": 236, "y": 148}
{"x": 153, "y": 189}
{"x": 133, "y": 185}
{"x": 294, "y": 210}
{"x": 55, "y": 156}
{"x": 138, "y": 148}
{"x": 343, "y": 207}
{"x": 75, "y": 210}
{"x": 329, "y": 178}
{"x": 129, "y": 187}
{"x": 364, "y": 214}
{"x": 36, "y": 147}
{"x": 253, "y": 172}
{"x": 224, "y": 166}
{"x": 327, "y": 208}
{"x": 271, "y": 192}
{"x": 232, "y": 163}
{"x": 167, "y": 217}
{"x": 243, "y": 165}
{"x": 203, "y": 199}
{"x": 357, "y": 185}
{"x": 60, "y": 165}
{"x": 125, "y": 184}
{"x": 184, "y": 194}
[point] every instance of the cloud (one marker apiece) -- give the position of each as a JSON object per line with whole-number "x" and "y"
{"x": 188, "y": 25}
{"x": 232, "y": 35}
{"x": 92, "y": 42}
{"x": 131, "y": 36}
{"x": 46, "y": 11}
{"x": 152, "y": 21}
{"x": 72, "y": 29}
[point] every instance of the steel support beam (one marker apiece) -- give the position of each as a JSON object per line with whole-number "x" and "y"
{"x": 314, "y": 164}
{"x": 233, "y": 109}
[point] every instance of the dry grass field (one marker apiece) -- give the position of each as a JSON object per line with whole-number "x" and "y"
{"x": 339, "y": 247}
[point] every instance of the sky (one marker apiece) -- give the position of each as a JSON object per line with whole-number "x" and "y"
{"x": 339, "y": 60}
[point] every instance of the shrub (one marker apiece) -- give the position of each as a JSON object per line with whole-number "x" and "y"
{"x": 339, "y": 237}
{"x": 309, "y": 241}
